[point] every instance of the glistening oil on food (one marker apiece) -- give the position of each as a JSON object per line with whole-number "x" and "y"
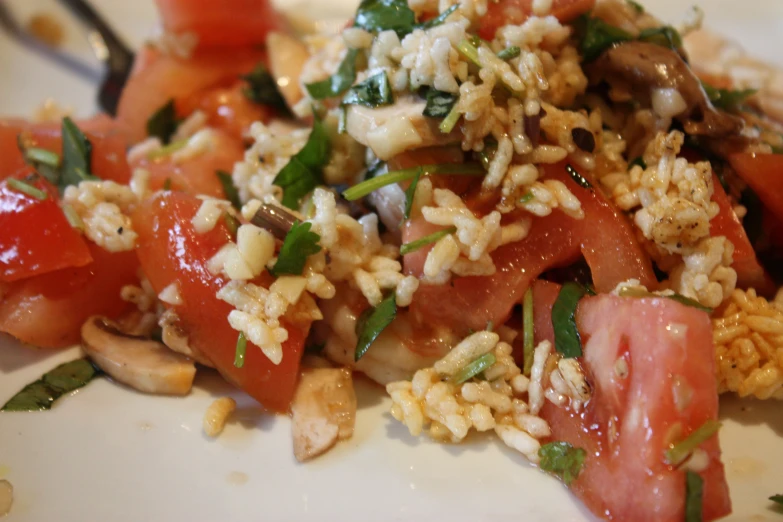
{"x": 542, "y": 223}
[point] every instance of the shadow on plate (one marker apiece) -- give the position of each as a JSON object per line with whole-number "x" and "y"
{"x": 15, "y": 355}
{"x": 752, "y": 412}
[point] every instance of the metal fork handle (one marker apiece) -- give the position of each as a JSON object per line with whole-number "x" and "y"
{"x": 120, "y": 56}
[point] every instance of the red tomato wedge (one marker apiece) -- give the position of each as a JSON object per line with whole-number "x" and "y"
{"x": 35, "y": 236}
{"x": 48, "y": 310}
{"x": 158, "y": 78}
{"x": 764, "y": 174}
{"x": 667, "y": 348}
{"x": 109, "y": 144}
{"x": 512, "y": 12}
{"x": 196, "y": 175}
{"x": 604, "y": 237}
{"x": 170, "y": 250}
{"x": 221, "y": 24}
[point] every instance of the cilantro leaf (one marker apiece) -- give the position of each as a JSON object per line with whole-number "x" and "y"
{"x": 304, "y": 171}
{"x": 229, "y": 189}
{"x": 262, "y": 88}
{"x": 372, "y": 322}
{"x": 373, "y": 92}
{"x": 727, "y": 99}
{"x": 439, "y": 103}
{"x": 567, "y": 339}
{"x": 694, "y": 489}
{"x": 163, "y": 123}
{"x": 298, "y": 244}
{"x": 63, "y": 379}
{"x": 562, "y": 459}
{"x": 383, "y": 15}
{"x": 337, "y": 83}
{"x": 77, "y": 155}
{"x": 410, "y": 193}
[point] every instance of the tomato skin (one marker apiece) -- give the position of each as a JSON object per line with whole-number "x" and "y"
{"x": 512, "y": 12}
{"x": 35, "y": 236}
{"x": 221, "y": 24}
{"x": 48, "y": 310}
{"x": 764, "y": 174}
{"x": 625, "y": 477}
{"x": 196, "y": 176}
{"x": 604, "y": 237}
{"x": 170, "y": 250}
{"x": 109, "y": 144}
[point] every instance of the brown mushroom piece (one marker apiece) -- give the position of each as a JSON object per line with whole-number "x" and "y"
{"x": 143, "y": 364}
{"x": 642, "y": 67}
{"x": 323, "y": 411}
{"x": 176, "y": 339}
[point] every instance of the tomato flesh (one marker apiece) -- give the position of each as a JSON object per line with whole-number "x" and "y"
{"x": 227, "y": 108}
{"x": 513, "y": 12}
{"x": 170, "y": 250}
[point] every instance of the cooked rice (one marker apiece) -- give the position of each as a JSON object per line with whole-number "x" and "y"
{"x": 103, "y": 207}
{"x": 217, "y": 415}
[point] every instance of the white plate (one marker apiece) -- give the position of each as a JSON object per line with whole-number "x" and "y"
{"x": 108, "y": 453}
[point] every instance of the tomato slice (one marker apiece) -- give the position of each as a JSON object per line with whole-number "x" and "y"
{"x": 170, "y": 250}
{"x": 109, "y": 144}
{"x": 513, "y": 12}
{"x": 221, "y": 24}
{"x": 764, "y": 174}
{"x": 604, "y": 237}
{"x": 196, "y": 176}
{"x": 630, "y": 421}
{"x": 48, "y": 310}
{"x": 35, "y": 236}
{"x": 158, "y": 78}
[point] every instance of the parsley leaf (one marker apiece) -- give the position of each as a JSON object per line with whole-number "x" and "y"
{"x": 562, "y": 459}
{"x": 77, "y": 154}
{"x": 438, "y": 20}
{"x": 63, "y": 379}
{"x": 439, "y": 103}
{"x": 567, "y": 339}
{"x": 383, "y": 15}
{"x": 303, "y": 172}
{"x": 229, "y": 189}
{"x": 163, "y": 123}
{"x": 410, "y": 193}
{"x": 694, "y": 489}
{"x": 262, "y": 89}
{"x": 298, "y": 244}
{"x": 373, "y": 92}
{"x": 597, "y": 36}
{"x": 337, "y": 83}
{"x": 727, "y": 99}
{"x": 372, "y": 322}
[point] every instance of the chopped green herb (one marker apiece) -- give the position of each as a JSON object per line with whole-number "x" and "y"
{"x": 163, "y": 123}
{"x": 637, "y": 161}
{"x": 636, "y": 6}
{"x": 42, "y": 156}
{"x": 77, "y": 154}
{"x": 778, "y": 499}
{"x": 578, "y": 178}
{"x": 469, "y": 51}
{"x": 262, "y": 88}
{"x": 677, "y": 454}
{"x": 241, "y": 350}
{"x": 410, "y": 194}
{"x": 373, "y": 92}
{"x": 73, "y": 218}
{"x": 304, "y": 171}
{"x": 509, "y": 53}
{"x": 525, "y": 198}
{"x": 597, "y": 36}
{"x": 168, "y": 150}
{"x": 448, "y": 123}
{"x": 438, "y": 20}
{"x": 26, "y": 188}
{"x": 45, "y": 163}
{"x": 665, "y": 36}
{"x": 372, "y": 322}
{"x": 473, "y": 368}
{"x": 439, "y": 103}
{"x": 167, "y": 184}
{"x": 455, "y": 169}
{"x": 232, "y": 223}
{"x": 337, "y": 83}
{"x": 727, "y": 99}
{"x": 562, "y": 459}
{"x": 298, "y": 244}
{"x": 568, "y": 342}
{"x": 63, "y": 379}
{"x": 383, "y": 15}
{"x": 229, "y": 189}
{"x": 528, "y": 329}
{"x": 694, "y": 490}
{"x": 413, "y": 246}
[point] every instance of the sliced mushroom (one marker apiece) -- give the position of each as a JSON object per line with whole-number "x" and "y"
{"x": 143, "y": 364}
{"x": 393, "y": 129}
{"x": 287, "y": 56}
{"x": 643, "y": 67}
{"x": 323, "y": 411}
{"x": 176, "y": 339}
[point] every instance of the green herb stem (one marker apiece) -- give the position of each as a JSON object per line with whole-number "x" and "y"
{"x": 677, "y": 454}
{"x": 73, "y": 218}
{"x": 469, "y": 51}
{"x": 473, "y": 368}
{"x": 241, "y": 349}
{"x": 415, "y": 245}
{"x": 26, "y": 188}
{"x": 451, "y": 119}
{"x": 694, "y": 493}
{"x": 528, "y": 330}
{"x": 43, "y": 156}
{"x": 371, "y": 185}
{"x": 167, "y": 150}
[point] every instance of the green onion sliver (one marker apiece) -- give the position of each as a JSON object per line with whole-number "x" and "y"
{"x": 26, "y": 188}
{"x": 469, "y": 51}
{"x": 239, "y": 356}
{"x": 525, "y": 198}
{"x": 371, "y": 185}
{"x": 451, "y": 119}
{"x": 167, "y": 150}
{"x": 474, "y": 368}
{"x": 680, "y": 451}
{"x": 232, "y": 223}
{"x": 528, "y": 341}
{"x": 73, "y": 218}
{"x": 509, "y": 52}
{"x": 43, "y": 156}
{"x": 413, "y": 246}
